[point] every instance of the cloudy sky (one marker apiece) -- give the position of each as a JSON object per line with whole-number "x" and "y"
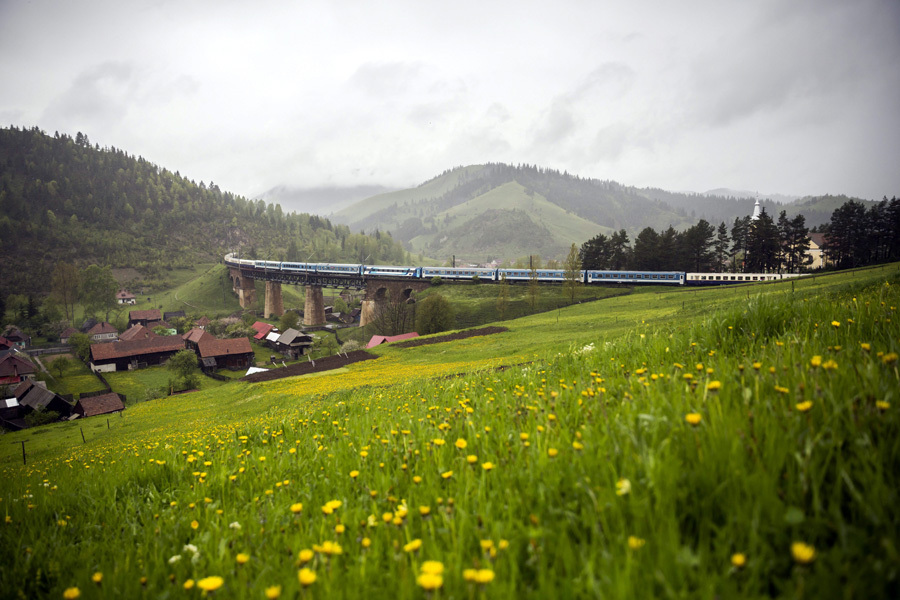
{"x": 796, "y": 97}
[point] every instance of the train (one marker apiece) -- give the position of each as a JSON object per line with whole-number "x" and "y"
{"x": 679, "y": 278}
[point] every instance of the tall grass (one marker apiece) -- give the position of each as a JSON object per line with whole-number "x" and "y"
{"x": 600, "y": 484}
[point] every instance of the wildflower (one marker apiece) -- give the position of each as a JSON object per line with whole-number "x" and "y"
{"x": 339, "y": 528}
{"x": 830, "y": 365}
{"x": 434, "y": 567}
{"x": 623, "y": 487}
{"x": 635, "y": 543}
{"x": 738, "y": 559}
{"x": 417, "y": 479}
{"x": 552, "y": 452}
{"x": 487, "y": 466}
{"x": 804, "y": 406}
{"x": 72, "y": 593}
{"x": 693, "y": 418}
{"x": 835, "y": 324}
{"x": 757, "y": 366}
{"x": 242, "y": 558}
{"x": 577, "y": 445}
{"x": 210, "y": 584}
{"x": 472, "y": 459}
{"x": 354, "y": 474}
{"x": 882, "y": 404}
{"x": 470, "y": 574}
{"x": 366, "y": 542}
{"x": 484, "y": 576}
{"x": 97, "y": 577}
{"x": 523, "y": 436}
{"x": 412, "y": 546}
{"x": 714, "y": 386}
{"x": 461, "y": 444}
{"x": 430, "y": 581}
{"x": 447, "y": 474}
{"x": 438, "y": 442}
{"x": 174, "y": 559}
{"x": 189, "y": 584}
{"x": 307, "y": 577}
{"x": 273, "y": 592}
{"x": 815, "y": 361}
{"x": 865, "y": 346}
{"x": 781, "y": 390}
{"x": 236, "y": 526}
{"x": 889, "y": 358}
{"x": 194, "y": 524}
{"x": 305, "y": 556}
{"x": 424, "y": 510}
{"x": 803, "y": 553}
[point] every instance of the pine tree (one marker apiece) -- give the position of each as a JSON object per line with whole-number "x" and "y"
{"x": 721, "y": 247}
{"x": 763, "y": 245}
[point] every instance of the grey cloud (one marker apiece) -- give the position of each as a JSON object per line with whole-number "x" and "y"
{"x": 97, "y": 93}
{"x": 383, "y": 79}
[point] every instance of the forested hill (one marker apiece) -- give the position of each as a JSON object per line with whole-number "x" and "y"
{"x": 488, "y": 211}
{"x": 64, "y": 198}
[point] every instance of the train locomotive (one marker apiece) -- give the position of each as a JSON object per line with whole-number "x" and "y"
{"x": 679, "y": 278}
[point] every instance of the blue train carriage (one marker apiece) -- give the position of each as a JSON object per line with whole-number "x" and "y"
{"x": 392, "y": 271}
{"x": 637, "y": 277}
{"x": 458, "y": 273}
{"x": 297, "y": 267}
{"x": 548, "y": 275}
{"x": 734, "y": 278}
{"x": 339, "y": 269}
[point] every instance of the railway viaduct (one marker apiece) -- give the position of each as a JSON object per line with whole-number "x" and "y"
{"x": 378, "y": 290}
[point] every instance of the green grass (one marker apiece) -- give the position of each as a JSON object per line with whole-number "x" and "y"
{"x": 600, "y": 486}
{"x": 75, "y": 379}
{"x": 135, "y": 384}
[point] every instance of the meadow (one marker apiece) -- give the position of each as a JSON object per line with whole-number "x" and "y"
{"x": 738, "y": 442}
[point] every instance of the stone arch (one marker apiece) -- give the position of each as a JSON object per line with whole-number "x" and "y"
{"x": 407, "y": 295}
{"x": 381, "y": 294}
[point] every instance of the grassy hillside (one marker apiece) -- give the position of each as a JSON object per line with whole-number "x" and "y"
{"x": 737, "y": 442}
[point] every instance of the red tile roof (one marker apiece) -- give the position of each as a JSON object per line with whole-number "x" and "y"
{"x": 387, "y": 339}
{"x": 138, "y": 332}
{"x": 124, "y": 294}
{"x": 101, "y": 328}
{"x": 13, "y": 366}
{"x": 145, "y": 315}
{"x": 100, "y": 405}
{"x": 214, "y": 347}
{"x": 113, "y": 350}
{"x": 262, "y": 329}
{"x": 197, "y": 335}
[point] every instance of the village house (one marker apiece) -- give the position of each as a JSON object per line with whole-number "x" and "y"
{"x": 203, "y": 322}
{"x": 138, "y": 332}
{"x": 193, "y": 338}
{"x": 817, "y": 251}
{"x": 147, "y": 318}
{"x": 377, "y": 340}
{"x": 125, "y": 297}
{"x": 99, "y": 405}
{"x": 35, "y": 396}
{"x": 293, "y": 343}
{"x": 136, "y": 354}
{"x": 67, "y": 334}
{"x": 231, "y": 353}
{"x": 103, "y": 332}
{"x": 18, "y": 337}
{"x": 175, "y": 314}
{"x": 13, "y": 368}
{"x": 262, "y": 330}
{"x": 12, "y": 416}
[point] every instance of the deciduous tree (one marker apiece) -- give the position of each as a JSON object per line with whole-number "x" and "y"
{"x": 433, "y": 315}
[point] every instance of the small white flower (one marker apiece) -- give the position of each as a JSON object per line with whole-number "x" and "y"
{"x": 235, "y": 525}
{"x": 174, "y": 559}
{"x": 190, "y": 548}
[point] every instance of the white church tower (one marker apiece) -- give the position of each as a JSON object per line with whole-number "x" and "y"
{"x": 757, "y": 209}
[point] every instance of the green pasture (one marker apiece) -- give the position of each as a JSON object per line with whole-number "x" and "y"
{"x": 718, "y": 443}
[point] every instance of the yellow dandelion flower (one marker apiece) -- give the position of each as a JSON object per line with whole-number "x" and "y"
{"x": 354, "y": 474}
{"x": 865, "y": 346}
{"x": 835, "y": 323}
{"x": 882, "y": 404}
{"x": 424, "y": 510}
{"x": 486, "y": 544}
{"x": 815, "y": 361}
{"x": 757, "y": 366}
{"x": 434, "y": 567}
{"x": 487, "y": 466}
{"x": 714, "y": 386}
{"x": 366, "y": 542}
{"x": 484, "y": 576}
{"x": 210, "y": 584}
{"x": 189, "y": 584}
{"x": 296, "y": 507}
{"x": 340, "y": 528}
{"x": 438, "y": 442}
{"x": 307, "y": 577}
{"x": 242, "y": 558}
{"x": 889, "y": 358}
{"x": 693, "y": 418}
{"x": 461, "y": 444}
{"x": 830, "y": 365}
{"x": 305, "y": 556}
{"x": 472, "y": 459}
{"x": 417, "y": 479}
{"x": 552, "y": 452}
{"x": 447, "y": 474}
{"x": 97, "y": 577}
{"x": 804, "y": 406}
{"x": 738, "y": 559}
{"x": 782, "y": 390}
{"x": 523, "y": 436}
{"x": 72, "y": 593}
{"x": 470, "y": 574}
{"x": 623, "y": 487}
{"x": 412, "y": 546}
{"x": 194, "y": 524}
{"x": 803, "y": 553}
{"x": 635, "y": 543}
{"x": 577, "y": 445}
{"x": 430, "y": 581}
{"x": 273, "y": 592}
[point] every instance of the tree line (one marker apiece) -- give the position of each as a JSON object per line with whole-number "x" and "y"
{"x": 749, "y": 245}
{"x": 857, "y": 236}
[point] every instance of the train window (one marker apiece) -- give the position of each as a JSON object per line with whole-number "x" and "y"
{"x": 755, "y": 278}
{"x": 718, "y": 278}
